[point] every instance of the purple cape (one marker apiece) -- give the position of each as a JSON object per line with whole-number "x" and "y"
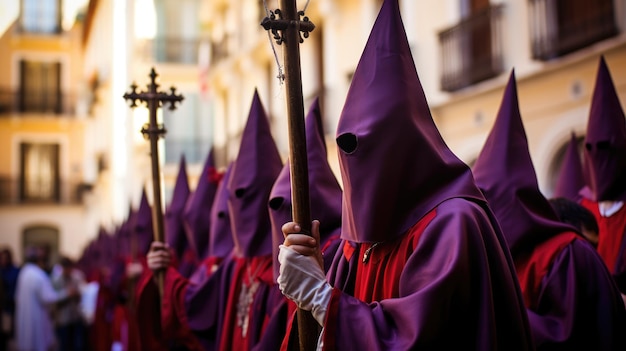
{"x": 174, "y": 228}
{"x": 571, "y": 178}
{"x": 505, "y": 173}
{"x": 221, "y": 237}
{"x": 578, "y": 307}
{"x": 324, "y": 191}
{"x": 605, "y": 143}
{"x": 198, "y": 209}
{"x": 254, "y": 172}
{"x": 394, "y": 163}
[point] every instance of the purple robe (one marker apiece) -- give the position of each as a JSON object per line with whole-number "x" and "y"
{"x": 414, "y": 222}
{"x": 571, "y": 300}
{"x": 445, "y": 283}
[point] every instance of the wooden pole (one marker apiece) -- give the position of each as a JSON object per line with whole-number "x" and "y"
{"x": 153, "y": 131}
{"x": 291, "y": 26}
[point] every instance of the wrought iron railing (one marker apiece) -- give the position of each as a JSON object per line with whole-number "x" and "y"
{"x": 471, "y": 51}
{"x": 559, "y": 27}
{"x": 38, "y": 101}
{"x": 20, "y": 192}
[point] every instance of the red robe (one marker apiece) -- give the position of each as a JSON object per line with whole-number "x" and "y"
{"x": 239, "y": 334}
{"x": 611, "y": 243}
{"x": 210, "y": 299}
{"x": 100, "y": 333}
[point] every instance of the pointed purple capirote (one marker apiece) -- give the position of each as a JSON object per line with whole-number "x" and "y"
{"x": 571, "y": 178}
{"x": 386, "y": 125}
{"x": 324, "y": 190}
{"x": 143, "y": 225}
{"x": 221, "y": 237}
{"x": 197, "y": 213}
{"x": 173, "y": 218}
{"x": 605, "y": 143}
{"x": 125, "y": 232}
{"x": 504, "y": 172}
{"x": 254, "y": 172}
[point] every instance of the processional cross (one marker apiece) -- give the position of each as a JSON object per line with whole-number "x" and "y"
{"x": 153, "y": 131}
{"x": 286, "y": 27}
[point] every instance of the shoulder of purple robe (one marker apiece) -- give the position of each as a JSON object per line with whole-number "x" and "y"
{"x": 206, "y": 298}
{"x": 456, "y": 291}
{"x": 579, "y": 306}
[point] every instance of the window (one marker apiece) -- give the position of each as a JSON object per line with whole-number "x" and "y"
{"x": 189, "y": 130}
{"x": 559, "y": 27}
{"x": 40, "y": 86}
{"x": 41, "y": 16}
{"x": 39, "y": 179}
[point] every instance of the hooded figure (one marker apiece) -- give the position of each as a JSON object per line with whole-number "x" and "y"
{"x": 325, "y": 205}
{"x": 143, "y": 232}
{"x": 197, "y": 212}
{"x": 571, "y": 299}
{"x": 422, "y": 263}
{"x": 174, "y": 227}
{"x": 221, "y": 234}
{"x": 571, "y": 178}
{"x": 226, "y": 302}
{"x": 324, "y": 190}
{"x": 605, "y": 161}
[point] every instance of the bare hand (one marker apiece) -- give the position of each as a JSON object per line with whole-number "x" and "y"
{"x": 301, "y": 243}
{"x": 159, "y": 256}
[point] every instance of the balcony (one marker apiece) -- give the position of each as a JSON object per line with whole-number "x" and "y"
{"x": 13, "y": 192}
{"x": 49, "y": 102}
{"x": 174, "y": 50}
{"x": 471, "y": 51}
{"x": 559, "y": 27}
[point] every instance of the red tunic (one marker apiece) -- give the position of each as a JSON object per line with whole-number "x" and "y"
{"x": 100, "y": 331}
{"x": 249, "y": 274}
{"x": 532, "y": 268}
{"x": 611, "y": 234}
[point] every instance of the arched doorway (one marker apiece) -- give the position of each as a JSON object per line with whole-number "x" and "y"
{"x": 43, "y": 236}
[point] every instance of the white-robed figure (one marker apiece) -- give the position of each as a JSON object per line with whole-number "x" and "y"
{"x": 34, "y": 295}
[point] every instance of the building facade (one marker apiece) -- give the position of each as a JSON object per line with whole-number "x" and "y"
{"x": 47, "y": 167}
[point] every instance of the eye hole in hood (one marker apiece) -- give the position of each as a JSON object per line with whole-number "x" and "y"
{"x": 348, "y": 142}
{"x": 276, "y": 202}
{"x": 603, "y": 145}
{"x": 240, "y": 192}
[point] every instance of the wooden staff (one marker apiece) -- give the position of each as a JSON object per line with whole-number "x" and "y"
{"x": 290, "y": 26}
{"x": 153, "y": 131}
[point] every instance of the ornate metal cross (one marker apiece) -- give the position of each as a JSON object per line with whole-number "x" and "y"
{"x": 153, "y": 131}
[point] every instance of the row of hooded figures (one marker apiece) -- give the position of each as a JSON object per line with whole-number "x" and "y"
{"x": 414, "y": 251}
